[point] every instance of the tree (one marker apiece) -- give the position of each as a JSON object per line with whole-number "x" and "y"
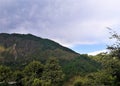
{"x": 114, "y": 65}
{"x": 38, "y": 82}
{"x": 102, "y": 78}
{"x": 35, "y": 69}
{"x": 18, "y": 76}
{"x": 31, "y": 72}
{"x": 115, "y": 48}
{"x": 5, "y": 74}
{"x": 53, "y": 72}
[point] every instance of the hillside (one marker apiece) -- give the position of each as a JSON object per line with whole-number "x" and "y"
{"x": 18, "y": 50}
{"x": 23, "y": 48}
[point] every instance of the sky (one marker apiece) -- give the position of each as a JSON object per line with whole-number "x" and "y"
{"x": 76, "y": 24}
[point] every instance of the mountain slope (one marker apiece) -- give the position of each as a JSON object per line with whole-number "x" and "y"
{"x": 17, "y": 50}
{"x": 25, "y": 48}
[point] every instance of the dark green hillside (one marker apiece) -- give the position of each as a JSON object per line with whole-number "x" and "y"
{"x": 80, "y": 65}
{"x": 17, "y": 50}
{"x": 21, "y": 49}
{"x": 30, "y": 41}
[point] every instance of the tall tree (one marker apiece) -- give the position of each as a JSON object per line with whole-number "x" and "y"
{"x": 115, "y": 54}
{"x": 53, "y": 72}
{"x": 115, "y": 48}
{"x": 31, "y": 72}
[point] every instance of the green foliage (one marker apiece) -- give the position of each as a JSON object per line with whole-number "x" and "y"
{"x": 115, "y": 48}
{"x": 81, "y": 81}
{"x": 17, "y": 77}
{"x": 38, "y": 82}
{"x": 114, "y": 65}
{"x": 35, "y": 69}
{"x": 5, "y": 73}
{"x": 101, "y": 78}
{"x": 80, "y": 66}
{"x": 110, "y": 72}
{"x": 53, "y": 72}
{"x": 32, "y": 71}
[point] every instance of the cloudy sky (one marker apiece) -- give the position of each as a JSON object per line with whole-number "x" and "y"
{"x": 77, "y": 24}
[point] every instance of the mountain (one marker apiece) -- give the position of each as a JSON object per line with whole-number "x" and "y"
{"x": 17, "y": 50}
{"x": 22, "y": 48}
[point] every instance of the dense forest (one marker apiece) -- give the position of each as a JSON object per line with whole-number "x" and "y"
{"x": 27, "y": 60}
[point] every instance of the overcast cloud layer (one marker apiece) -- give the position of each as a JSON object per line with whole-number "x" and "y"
{"x": 69, "y": 22}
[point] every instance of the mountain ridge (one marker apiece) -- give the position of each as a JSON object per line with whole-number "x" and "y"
{"x": 23, "y": 48}
{"x": 34, "y": 38}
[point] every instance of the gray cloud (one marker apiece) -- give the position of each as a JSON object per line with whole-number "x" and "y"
{"x": 69, "y": 22}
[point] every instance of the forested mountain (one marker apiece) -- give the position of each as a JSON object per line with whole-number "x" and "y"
{"x": 25, "y": 48}
{"x": 18, "y": 51}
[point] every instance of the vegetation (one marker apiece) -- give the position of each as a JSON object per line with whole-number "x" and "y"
{"x": 34, "y": 74}
{"x": 21, "y": 65}
{"x": 109, "y": 75}
{"x": 5, "y": 74}
{"x": 53, "y": 72}
{"x": 81, "y": 65}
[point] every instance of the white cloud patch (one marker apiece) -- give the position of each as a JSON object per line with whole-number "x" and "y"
{"x": 97, "y": 52}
